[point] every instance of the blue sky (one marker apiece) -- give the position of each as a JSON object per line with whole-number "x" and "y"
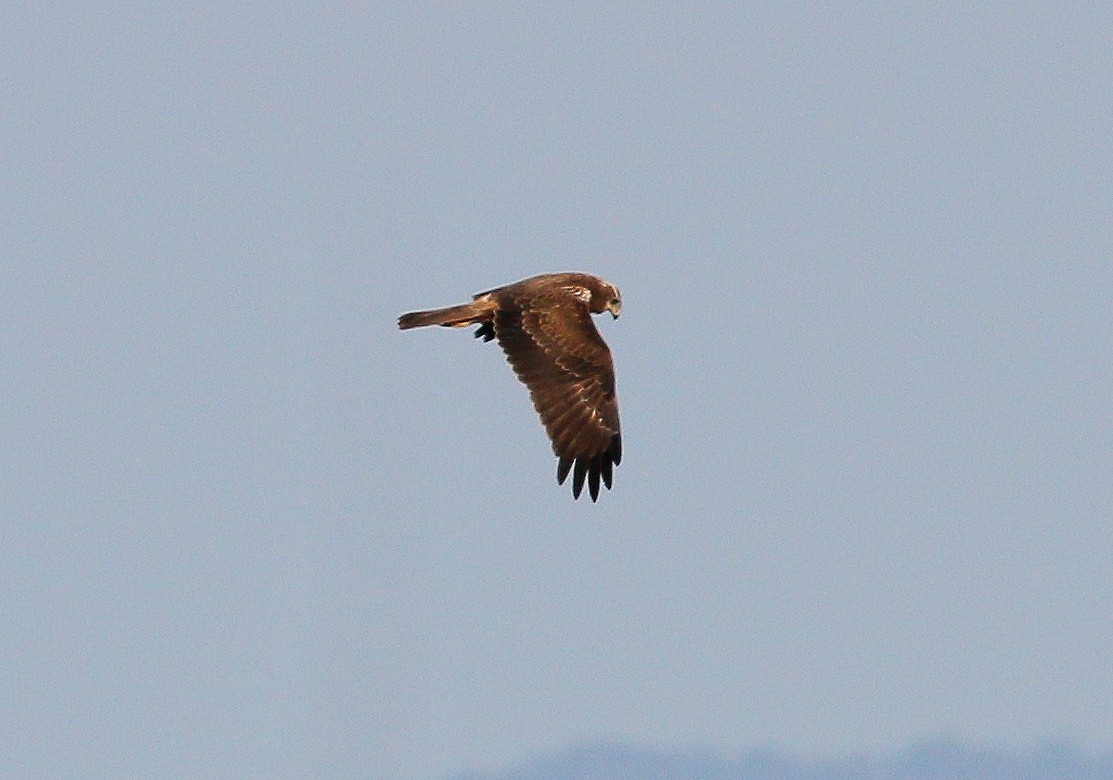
{"x": 863, "y": 365}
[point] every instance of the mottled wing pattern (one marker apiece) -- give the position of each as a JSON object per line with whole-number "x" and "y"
{"x": 553, "y": 346}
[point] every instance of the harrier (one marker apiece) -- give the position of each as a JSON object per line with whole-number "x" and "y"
{"x": 544, "y": 326}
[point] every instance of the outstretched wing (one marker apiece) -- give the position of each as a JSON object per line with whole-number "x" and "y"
{"x": 553, "y": 346}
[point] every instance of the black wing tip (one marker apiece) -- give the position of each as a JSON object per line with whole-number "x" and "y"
{"x": 594, "y": 471}
{"x": 564, "y": 467}
{"x": 578, "y": 475}
{"x": 486, "y": 331}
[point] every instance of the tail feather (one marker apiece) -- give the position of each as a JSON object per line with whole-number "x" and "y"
{"x": 452, "y": 316}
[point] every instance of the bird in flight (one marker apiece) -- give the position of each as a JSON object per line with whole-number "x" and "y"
{"x": 544, "y": 326}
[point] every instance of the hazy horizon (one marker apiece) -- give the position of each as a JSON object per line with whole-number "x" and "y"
{"x": 938, "y": 759}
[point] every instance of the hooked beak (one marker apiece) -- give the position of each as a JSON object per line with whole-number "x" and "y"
{"x": 615, "y": 308}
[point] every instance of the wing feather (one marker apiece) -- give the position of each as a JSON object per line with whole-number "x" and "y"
{"x": 578, "y": 477}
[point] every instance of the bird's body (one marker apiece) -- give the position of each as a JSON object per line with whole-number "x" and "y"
{"x": 544, "y": 327}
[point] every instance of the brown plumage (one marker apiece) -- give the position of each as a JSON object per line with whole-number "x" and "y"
{"x": 544, "y": 326}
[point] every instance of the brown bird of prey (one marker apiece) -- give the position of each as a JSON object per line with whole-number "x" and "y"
{"x": 544, "y": 326}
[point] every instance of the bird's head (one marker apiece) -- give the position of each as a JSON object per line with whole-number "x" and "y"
{"x": 612, "y": 300}
{"x": 599, "y": 294}
{"x": 614, "y": 305}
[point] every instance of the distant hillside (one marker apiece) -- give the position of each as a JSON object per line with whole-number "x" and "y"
{"x": 934, "y": 761}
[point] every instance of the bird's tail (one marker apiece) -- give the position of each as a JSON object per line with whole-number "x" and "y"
{"x": 465, "y": 314}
